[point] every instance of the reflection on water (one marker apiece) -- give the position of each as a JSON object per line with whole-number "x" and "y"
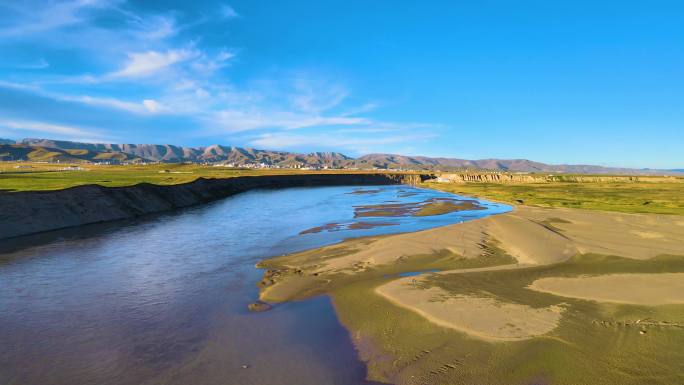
{"x": 415, "y": 273}
{"x": 163, "y": 300}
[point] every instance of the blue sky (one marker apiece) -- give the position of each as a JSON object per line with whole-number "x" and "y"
{"x": 599, "y": 82}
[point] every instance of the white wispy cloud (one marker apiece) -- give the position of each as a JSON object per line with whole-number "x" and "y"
{"x": 362, "y": 109}
{"x": 35, "y": 17}
{"x": 253, "y": 119}
{"x": 206, "y": 65}
{"x": 150, "y": 28}
{"x": 50, "y": 129}
{"x": 153, "y": 105}
{"x": 105, "y": 102}
{"x": 147, "y": 63}
{"x": 36, "y": 65}
{"x": 228, "y": 12}
{"x": 147, "y": 106}
{"x": 315, "y": 96}
{"x": 336, "y": 140}
{"x": 19, "y": 86}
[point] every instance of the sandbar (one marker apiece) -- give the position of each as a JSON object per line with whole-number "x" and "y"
{"x": 637, "y": 289}
{"x": 480, "y": 317}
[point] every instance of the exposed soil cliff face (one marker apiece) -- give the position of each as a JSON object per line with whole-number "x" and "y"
{"x": 536, "y": 178}
{"x": 24, "y": 213}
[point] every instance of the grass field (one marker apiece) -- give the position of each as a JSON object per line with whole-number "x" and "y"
{"x": 627, "y": 197}
{"x": 50, "y": 176}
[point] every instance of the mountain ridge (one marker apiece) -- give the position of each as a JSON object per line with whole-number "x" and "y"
{"x": 66, "y": 151}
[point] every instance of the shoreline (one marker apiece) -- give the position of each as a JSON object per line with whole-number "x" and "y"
{"x": 31, "y": 212}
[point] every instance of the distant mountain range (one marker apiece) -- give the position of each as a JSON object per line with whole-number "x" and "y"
{"x": 65, "y": 151}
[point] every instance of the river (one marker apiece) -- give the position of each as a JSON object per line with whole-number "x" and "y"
{"x": 164, "y": 299}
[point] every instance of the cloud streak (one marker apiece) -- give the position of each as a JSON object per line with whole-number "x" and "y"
{"x": 63, "y": 131}
{"x": 229, "y": 12}
{"x": 141, "y": 64}
{"x": 147, "y": 106}
{"x": 245, "y": 120}
{"x": 37, "y": 18}
{"x": 336, "y": 140}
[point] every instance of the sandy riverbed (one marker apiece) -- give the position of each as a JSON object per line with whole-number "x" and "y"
{"x": 533, "y": 236}
{"x": 477, "y": 316}
{"x": 518, "y": 278}
{"x": 638, "y": 289}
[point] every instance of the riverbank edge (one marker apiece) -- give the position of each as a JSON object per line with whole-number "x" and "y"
{"x": 31, "y": 212}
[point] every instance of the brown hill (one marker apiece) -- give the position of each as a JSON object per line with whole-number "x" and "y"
{"x": 53, "y": 150}
{"x": 173, "y": 154}
{"x": 511, "y": 165}
{"x": 19, "y": 152}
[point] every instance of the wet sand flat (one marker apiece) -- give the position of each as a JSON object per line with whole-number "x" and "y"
{"x": 533, "y": 236}
{"x": 636, "y": 289}
{"x": 429, "y": 207}
{"x": 479, "y": 317}
{"x": 445, "y": 326}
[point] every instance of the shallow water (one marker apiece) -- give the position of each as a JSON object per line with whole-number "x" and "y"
{"x": 415, "y": 273}
{"x": 163, "y": 299}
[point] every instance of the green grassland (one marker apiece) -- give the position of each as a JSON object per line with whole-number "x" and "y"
{"x": 630, "y": 197}
{"x": 627, "y": 197}
{"x": 50, "y": 176}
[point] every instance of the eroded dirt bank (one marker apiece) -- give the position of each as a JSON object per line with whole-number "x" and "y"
{"x": 521, "y": 178}
{"x": 24, "y": 213}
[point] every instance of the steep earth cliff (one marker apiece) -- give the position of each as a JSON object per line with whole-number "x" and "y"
{"x": 540, "y": 178}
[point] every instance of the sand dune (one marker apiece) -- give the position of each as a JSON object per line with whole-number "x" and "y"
{"x": 534, "y": 236}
